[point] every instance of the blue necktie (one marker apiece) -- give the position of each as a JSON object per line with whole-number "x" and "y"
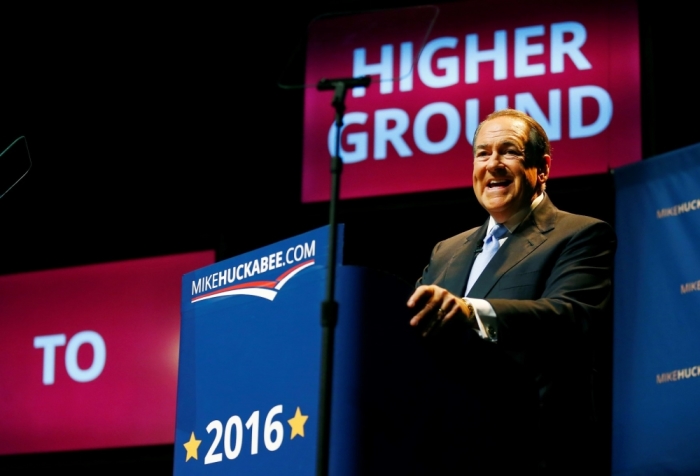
{"x": 489, "y": 249}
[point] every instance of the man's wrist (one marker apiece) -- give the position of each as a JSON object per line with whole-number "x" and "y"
{"x": 471, "y": 316}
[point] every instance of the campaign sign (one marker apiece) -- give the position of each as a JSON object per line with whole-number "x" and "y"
{"x": 572, "y": 67}
{"x": 656, "y": 423}
{"x": 248, "y": 378}
{"x": 89, "y": 354}
{"x": 249, "y": 372}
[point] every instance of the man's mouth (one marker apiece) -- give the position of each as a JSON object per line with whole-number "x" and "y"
{"x": 498, "y": 183}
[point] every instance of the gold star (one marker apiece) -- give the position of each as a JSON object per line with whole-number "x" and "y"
{"x": 297, "y": 423}
{"x": 191, "y": 447}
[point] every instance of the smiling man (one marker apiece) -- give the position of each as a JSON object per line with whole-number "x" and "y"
{"x": 512, "y": 306}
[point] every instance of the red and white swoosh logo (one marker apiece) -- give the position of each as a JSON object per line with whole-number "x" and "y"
{"x": 264, "y": 289}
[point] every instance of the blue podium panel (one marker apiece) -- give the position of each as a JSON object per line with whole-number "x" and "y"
{"x": 249, "y": 363}
{"x": 656, "y": 425}
{"x": 250, "y": 368}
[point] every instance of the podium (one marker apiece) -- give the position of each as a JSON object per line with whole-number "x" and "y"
{"x": 249, "y": 366}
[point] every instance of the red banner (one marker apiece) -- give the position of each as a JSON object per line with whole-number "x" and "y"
{"x": 574, "y": 68}
{"x": 90, "y": 354}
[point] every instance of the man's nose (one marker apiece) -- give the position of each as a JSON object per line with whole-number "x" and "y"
{"x": 495, "y": 162}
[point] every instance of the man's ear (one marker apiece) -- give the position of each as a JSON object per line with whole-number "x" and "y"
{"x": 543, "y": 170}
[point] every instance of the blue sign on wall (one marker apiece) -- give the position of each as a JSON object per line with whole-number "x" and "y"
{"x": 656, "y": 422}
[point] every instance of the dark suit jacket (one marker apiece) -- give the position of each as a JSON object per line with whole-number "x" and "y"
{"x": 550, "y": 285}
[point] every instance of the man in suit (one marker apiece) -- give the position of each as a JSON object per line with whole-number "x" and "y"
{"x": 513, "y": 332}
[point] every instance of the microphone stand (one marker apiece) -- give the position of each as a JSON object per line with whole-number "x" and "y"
{"x": 329, "y": 307}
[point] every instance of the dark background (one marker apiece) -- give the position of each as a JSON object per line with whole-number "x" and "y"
{"x": 155, "y": 132}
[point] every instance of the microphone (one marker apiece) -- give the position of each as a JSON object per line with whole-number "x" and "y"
{"x": 349, "y": 83}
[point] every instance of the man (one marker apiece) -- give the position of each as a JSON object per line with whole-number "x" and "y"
{"x": 513, "y": 332}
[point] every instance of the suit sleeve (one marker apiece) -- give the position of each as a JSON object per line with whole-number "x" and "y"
{"x": 576, "y": 293}
{"x": 428, "y": 272}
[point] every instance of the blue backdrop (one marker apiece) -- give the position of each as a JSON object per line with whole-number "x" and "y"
{"x": 656, "y": 419}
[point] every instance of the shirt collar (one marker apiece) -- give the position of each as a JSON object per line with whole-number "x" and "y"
{"x": 513, "y": 222}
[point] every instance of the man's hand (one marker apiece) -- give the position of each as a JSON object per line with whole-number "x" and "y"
{"x": 436, "y": 307}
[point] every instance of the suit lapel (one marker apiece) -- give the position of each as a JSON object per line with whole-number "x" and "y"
{"x": 527, "y": 238}
{"x": 455, "y": 279}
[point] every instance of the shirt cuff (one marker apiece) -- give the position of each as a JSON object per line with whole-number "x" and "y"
{"x": 482, "y": 309}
